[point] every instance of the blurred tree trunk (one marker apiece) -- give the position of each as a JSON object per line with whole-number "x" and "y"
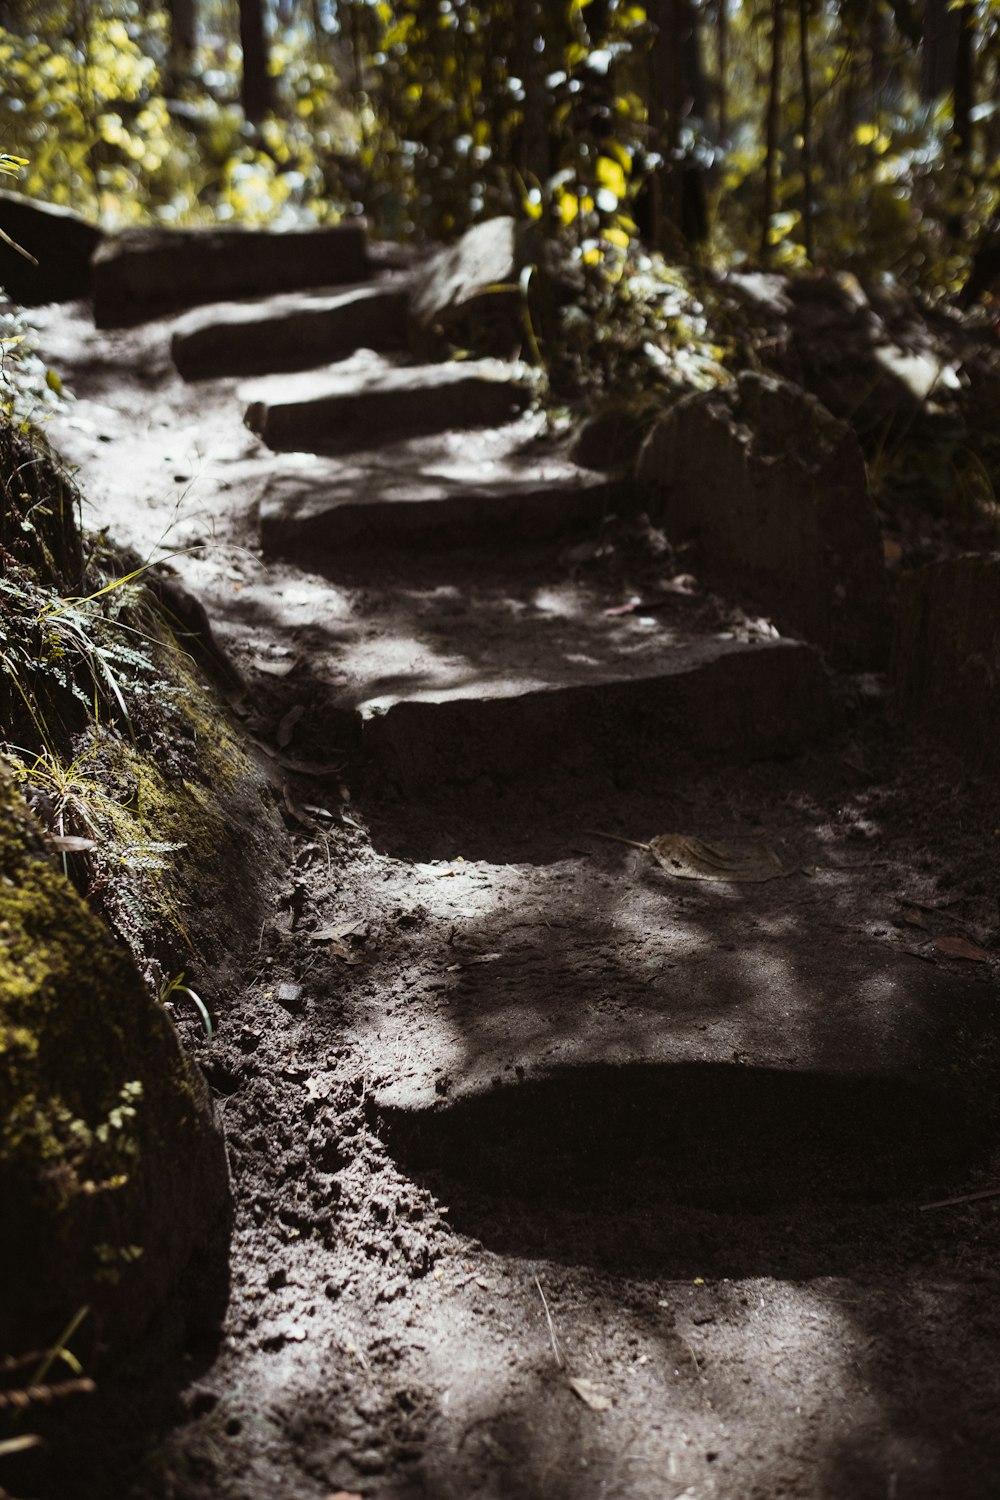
{"x": 940, "y": 43}
{"x": 771, "y": 129}
{"x": 677, "y": 91}
{"x": 529, "y": 66}
{"x": 257, "y": 93}
{"x": 808, "y": 227}
{"x": 182, "y": 38}
{"x": 965, "y": 84}
{"x": 722, "y": 67}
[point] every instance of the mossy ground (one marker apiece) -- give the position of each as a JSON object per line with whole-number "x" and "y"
{"x": 126, "y": 804}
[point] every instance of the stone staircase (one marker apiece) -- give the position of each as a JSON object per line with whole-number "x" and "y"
{"x": 428, "y": 596}
{"x": 716, "y": 1100}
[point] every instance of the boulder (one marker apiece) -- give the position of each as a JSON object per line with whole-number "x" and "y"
{"x": 874, "y": 358}
{"x": 772, "y": 490}
{"x": 946, "y": 654}
{"x": 470, "y": 294}
{"x": 61, "y": 242}
{"x": 609, "y": 436}
{"x": 144, "y": 273}
{"x": 113, "y": 1171}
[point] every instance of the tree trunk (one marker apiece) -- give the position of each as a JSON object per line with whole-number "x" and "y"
{"x": 257, "y": 93}
{"x": 530, "y": 67}
{"x": 722, "y": 64}
{"x": 677, "y": 90}
{"x": 808, "y": 228}
{"x": 965, "y": 84}
{"x": 940, "y": 42}
{"x": 771, "y": 129}
{"x": 182, "y": 39}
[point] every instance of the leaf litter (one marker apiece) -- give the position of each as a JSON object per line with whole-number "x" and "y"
{"x": 592, "y": 1395}
{"x": 689, "y": 858}
{"x": 960, "y": 947}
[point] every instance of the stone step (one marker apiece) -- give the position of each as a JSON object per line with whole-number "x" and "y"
{"x": 60, "y": 242}
{"x": 458, "y": 490}
{"x": 294, "y": 331}
{"x": 726, "y": 1034}
{"x": 510, "y": 707}
{"x": 368, "y": 400}
{"x": 144, "y": 273}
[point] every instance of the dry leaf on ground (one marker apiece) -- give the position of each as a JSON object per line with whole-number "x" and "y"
{"x": 691, "y": 859}
{"x": 594, "y": 1396}
{"x": 275, "y": 668}
{"x": 960, "y": 947}
{"x": 338, "y": 947}
{"x": 286, "y": 727}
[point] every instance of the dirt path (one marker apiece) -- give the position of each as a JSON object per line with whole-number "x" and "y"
{"x": 557, "y": 1174}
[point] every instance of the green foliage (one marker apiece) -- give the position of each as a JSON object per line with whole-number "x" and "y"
{"x": 641, "y": 326}
{"x": 176, "y": 986}
{"x": 593, "y": 117}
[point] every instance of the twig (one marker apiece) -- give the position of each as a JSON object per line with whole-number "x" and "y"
{"x": 965, "y": 1198}
{"x": 552, "y": 1333}
{"x": 19, "y": 248}
{"x": 616, "y": 838}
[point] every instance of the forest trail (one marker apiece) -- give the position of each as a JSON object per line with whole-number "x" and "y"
{"x": 563, "y": 1167}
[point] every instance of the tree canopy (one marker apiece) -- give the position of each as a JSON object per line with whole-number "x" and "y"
{"x": 780, "y": 133}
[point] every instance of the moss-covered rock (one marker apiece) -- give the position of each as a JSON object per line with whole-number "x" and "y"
{"x": 112, "y": 1170}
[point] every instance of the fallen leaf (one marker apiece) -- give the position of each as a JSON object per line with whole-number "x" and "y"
{"x": 691, "y": 859}
{"x": 344, "y": 1495}
{"x": 891, "y": 550}
{"x": 67, "y": 843}
{"x": 338, "y": 948}
{"x": 628, "y": 608}
{"x": 318, "y": 1088}
{"x": 286, "y": 727}
{"x": 960, "y": 947}
{"x": 290, "y": 763}
{"x": 274, "y": 668}
{"x": 594, "y": 1396}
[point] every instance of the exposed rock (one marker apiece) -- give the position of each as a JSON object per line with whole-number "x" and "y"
{"x": 772, "y": 489}
{"x": 871, "y": 357}
{"x": 946, "y": 654}
{"x": 113, "y": 1171}
{"x": 609, "y": 437}
{"x": 61, "y": 242}
{"x": 470, "y": 294}
{"x": 459, "y": 287}
{"x": 143, "y": 273}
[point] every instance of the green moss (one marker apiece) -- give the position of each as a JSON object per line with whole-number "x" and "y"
{"x": 104, "y": 1126}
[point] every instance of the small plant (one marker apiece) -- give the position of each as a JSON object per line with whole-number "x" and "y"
{"x": 176, "y": 986}
{"x": 20, "y": 1391}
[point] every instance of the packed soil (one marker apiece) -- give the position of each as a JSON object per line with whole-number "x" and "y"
{"x": 433, "y": 1290}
